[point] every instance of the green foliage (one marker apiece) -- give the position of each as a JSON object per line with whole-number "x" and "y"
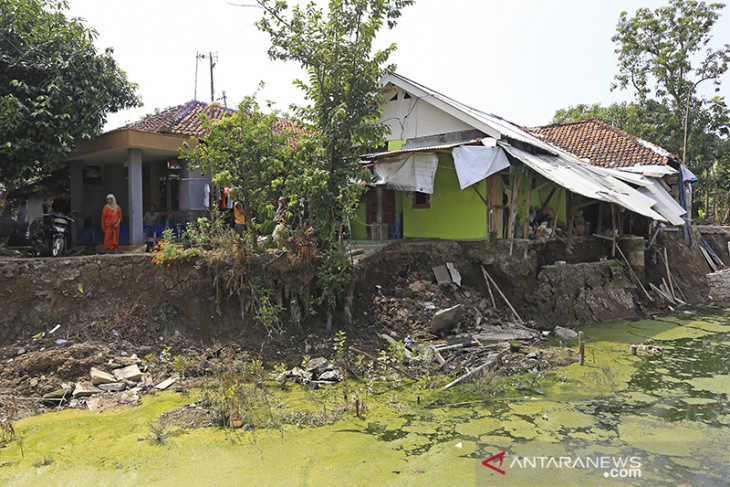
{"x": 256, "y": 155}
{"x": 665, "y": 54}
{"x": 238, "y": 391}
{"x": 55, "y": 88}
{"x": 342, "y": 353}
{"x": 333, "y": 274}
{"x": 531, "y": 382}
{"x": 265, "y": 311}
{"x": 488, "y": 384}
{"x": 343, "y": 93}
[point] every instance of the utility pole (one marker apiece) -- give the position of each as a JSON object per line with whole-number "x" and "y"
{"x": 213, "y": 57}
{"x": 212, "y": 65}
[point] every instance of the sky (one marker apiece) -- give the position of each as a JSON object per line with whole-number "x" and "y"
{"x": 519, "y": 59}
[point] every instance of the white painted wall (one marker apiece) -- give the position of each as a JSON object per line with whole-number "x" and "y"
{"x": 413, "y": 117}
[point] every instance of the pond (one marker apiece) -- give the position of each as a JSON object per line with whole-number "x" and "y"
{"x": 658, "y": 418}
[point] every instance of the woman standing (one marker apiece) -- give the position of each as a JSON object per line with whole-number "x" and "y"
{"x": 111, "y": 217}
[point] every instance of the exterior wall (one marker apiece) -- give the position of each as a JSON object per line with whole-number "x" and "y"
{"x": 454, "y": 214}
{"x": 358, "y": 225}
{"x": 410, "y": 118}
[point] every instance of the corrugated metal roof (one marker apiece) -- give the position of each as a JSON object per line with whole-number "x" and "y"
{"x": 406, "y": 150}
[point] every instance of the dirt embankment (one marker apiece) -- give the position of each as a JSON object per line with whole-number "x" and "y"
{"x": 130, "y": 294}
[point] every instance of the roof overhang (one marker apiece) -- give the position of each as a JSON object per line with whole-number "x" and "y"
{"x": 113, "y": 147}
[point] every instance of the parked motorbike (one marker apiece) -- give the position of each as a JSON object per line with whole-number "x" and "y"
{"x": 49, "y": 234}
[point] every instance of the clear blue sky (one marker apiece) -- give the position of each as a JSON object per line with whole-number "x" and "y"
{"x": 520, "y": 59}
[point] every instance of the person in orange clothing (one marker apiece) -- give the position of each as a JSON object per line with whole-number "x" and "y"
{"x": 111, "y": 218}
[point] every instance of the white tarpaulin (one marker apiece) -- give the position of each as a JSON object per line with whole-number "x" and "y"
{"x": 413, "y": 172}
{"x": 474, "y": 163}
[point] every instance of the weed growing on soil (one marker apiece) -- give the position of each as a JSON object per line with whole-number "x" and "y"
{"x": 159, "y": 432}
{"x": 265, "y": 311}
{"x": 239, "y": 390}
{"x": 489, "y": 384}
{"x": 42, "y": 462}
{"x": 8, "y": 411}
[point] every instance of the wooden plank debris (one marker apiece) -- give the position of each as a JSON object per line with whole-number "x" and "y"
{"x": 503, "y": 296}
{"x": 493, "y": 361}
{"x": 489, "y": 288}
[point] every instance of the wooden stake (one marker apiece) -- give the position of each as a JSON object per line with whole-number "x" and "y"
{"x": 502, "y": 294}
{"x": 489, "y": 288}
{"x": 633, "y": 273}
{"x": 581, "y": 347}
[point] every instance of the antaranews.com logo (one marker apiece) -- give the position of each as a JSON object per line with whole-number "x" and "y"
{"x": 498, "y": 469}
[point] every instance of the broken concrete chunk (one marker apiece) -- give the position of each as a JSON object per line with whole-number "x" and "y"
{"x": 106, "y": 401}
{"x": 166, "y": 383}
{"x": 318, "y": 366}
{"x": 113, "y": 387}
{"x": 446, "y": 318}
{"x": 101, "y": 377}
{"x": 388, "y": 338}
{"x": 565, "y": 333}
{"x": 85, "y": 389}
{"x": 130, "y": 372}
{"x": 330, "y": 375}
{"x": 299, "y": 375}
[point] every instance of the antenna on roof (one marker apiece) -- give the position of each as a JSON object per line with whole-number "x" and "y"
{"x": 198, "y": 57}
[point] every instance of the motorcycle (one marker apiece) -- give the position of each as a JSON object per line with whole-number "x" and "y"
{"x": 49, "y": 234}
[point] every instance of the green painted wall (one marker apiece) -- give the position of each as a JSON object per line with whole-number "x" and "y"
{"x": 358, "y": 227}
{"x": 396, "y": 144}
{"x": 538, "y": 197}
{"x": 454, "y": 214}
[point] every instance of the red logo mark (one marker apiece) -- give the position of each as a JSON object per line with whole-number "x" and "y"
{"x": 487, "y": 462}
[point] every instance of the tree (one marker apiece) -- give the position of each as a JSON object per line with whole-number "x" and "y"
{"x": 55, "y": 88}
{"x": 664, "y": 48}
{"x": 255, "y": 154}
{"x": 343, "y": 91}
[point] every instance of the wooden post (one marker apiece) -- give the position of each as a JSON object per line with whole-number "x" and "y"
{"x": 516, "y": 180}
{"x": 613, "y": 230}
{"x": 581, "y": 347}
{"x": 556, "y": 212}
{"x": 571, "y": 221}
{"x": 669, "y": 274}
{"x": 528, "y": 204}
{"x": 599, "y": 226}
{"x": 632, "y": 350}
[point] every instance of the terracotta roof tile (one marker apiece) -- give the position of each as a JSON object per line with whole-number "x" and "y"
{"x": 603, "y": 144}
{"x": 185, "y": 120}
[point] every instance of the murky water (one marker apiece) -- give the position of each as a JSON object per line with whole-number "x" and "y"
{"x": 652, "y": 419}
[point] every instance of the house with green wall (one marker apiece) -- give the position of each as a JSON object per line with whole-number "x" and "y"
{"x": 450, "y": 171}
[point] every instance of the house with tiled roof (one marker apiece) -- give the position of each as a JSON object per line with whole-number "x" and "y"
{"x": 140, "y": 164}
{"x": 604, "y": 145}
{"x": 453, "y": 171}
